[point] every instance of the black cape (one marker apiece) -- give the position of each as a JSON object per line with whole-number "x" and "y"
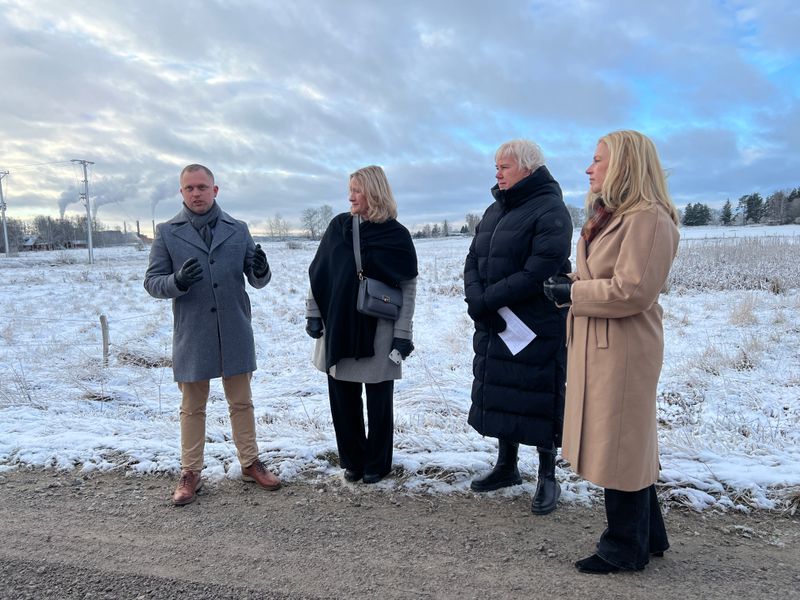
{"x": 387, "y": 254}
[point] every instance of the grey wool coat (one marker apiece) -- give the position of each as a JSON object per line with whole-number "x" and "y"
{"x": 212, "y": 335}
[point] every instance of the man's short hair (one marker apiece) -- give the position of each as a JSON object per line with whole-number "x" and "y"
{"x": 195, "y": 167}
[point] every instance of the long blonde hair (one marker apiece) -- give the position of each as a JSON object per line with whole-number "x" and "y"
{"x": 375, "y": 186}
{"x": 635, "y": 179}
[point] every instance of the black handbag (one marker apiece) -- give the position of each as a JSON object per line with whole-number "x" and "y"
{"x": 375, "y": 298}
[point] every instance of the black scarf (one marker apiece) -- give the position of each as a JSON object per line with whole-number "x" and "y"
{"x": 205, "y": 223}
{"x": 387, "y": 254}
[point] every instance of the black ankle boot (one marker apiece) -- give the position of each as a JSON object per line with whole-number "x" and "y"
{"x": 505, "y": 472}
{"x": 595, "y": 565}
{"x": 547, "y": 488}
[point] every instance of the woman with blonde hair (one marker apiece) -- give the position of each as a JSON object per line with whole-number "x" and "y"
{"x": 615, "y": 345}
{"x": 354, "y": 349}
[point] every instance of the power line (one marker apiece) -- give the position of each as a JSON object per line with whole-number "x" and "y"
{"x": 44, "y": 164}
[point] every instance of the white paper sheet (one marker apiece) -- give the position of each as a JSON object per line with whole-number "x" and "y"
{"x": 517, "y": 335}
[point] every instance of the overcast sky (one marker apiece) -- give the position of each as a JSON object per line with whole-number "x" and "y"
{"x": 282, "y": 100}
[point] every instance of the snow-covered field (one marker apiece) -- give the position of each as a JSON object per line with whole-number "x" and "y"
{"x": 728, "y": 397}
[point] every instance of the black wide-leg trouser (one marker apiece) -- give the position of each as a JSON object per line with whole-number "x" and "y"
{"x": 364, "y": 452}
{"x": 635, "y": 528}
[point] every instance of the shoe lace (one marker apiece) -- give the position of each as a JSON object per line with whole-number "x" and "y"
{"x": 184, "y": 480}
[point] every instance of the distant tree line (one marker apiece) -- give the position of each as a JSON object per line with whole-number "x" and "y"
{"x": 49, "y": 232}
{"x": 278, "y": 227}
{"x": 471, "y": 221}
{"x": 314, "y": 221}
{"x": 435, "y": 230}
{"x": 779, "y": 208}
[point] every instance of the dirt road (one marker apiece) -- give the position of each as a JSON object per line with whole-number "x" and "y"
{"x": 66, "y": 536}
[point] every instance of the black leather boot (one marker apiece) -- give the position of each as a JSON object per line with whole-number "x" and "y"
{"x": 505, "y": 472}
{"x": 547, "y": 488}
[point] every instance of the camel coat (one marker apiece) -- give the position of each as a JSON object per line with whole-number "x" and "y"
{"x": 615, "y": 346}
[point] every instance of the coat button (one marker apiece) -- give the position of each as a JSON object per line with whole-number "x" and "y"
{"x": 216, "y": 285}
{"x": 211, "y": 262}
{"x": 214, "y": 309}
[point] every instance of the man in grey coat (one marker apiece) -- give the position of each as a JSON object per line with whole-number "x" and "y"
{"x": 199, "y": 259}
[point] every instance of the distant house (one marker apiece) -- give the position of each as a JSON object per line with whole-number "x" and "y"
{"x": 33, "y": 242}
{"x": 114, "y": 238}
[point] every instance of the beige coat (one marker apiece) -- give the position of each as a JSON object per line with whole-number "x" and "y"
{"x": 615, "y": 345}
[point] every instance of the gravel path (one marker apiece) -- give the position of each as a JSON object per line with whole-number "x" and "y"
{"x": 63, "y": 535}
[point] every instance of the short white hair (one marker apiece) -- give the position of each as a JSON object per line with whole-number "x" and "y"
{"x": 528, "y": 154}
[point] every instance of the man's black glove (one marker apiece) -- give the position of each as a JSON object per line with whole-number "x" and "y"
{"x": 558, "y": 289}
{"x": 190, "y": 273}
{"x": 476, "y": 307}
{"x": 403, "y": 346}
{"x": 314, "y": 327}
{"x": 260, "y": 264}
{"x": 496, "y": 322}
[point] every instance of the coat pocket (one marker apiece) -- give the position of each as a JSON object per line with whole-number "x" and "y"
{"x": 601, "y": 332}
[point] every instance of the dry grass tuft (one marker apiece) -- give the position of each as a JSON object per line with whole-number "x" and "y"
{"x": 744, "y": 313}
{"x": 143, "y": 360}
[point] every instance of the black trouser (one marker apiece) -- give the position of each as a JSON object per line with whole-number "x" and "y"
{"x": 358, "y": 451}
{"x": 635, "y": 528}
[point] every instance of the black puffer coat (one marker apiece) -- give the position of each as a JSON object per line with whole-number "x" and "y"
{"x": 524, "y": 238}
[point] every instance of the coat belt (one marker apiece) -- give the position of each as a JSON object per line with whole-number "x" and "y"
{"x": 601, "y": 332}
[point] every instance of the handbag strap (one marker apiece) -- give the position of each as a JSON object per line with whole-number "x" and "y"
{"x": 357, "y": 247}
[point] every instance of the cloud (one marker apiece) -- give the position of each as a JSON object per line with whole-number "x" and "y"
{"x": 283, "y": 101}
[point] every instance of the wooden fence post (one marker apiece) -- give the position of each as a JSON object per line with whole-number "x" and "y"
{"x": 104, "y": 329}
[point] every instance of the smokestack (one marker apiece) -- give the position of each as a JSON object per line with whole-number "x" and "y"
{"x": 138, "y": 233}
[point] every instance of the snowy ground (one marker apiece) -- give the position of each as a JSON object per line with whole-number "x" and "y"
{"x": 728, "y": 397}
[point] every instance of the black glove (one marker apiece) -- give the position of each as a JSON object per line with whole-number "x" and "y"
{"x": 314, "y": 327}
{"x": 403, "y": 346}
{"x": 476, "y": 307}
{"x": 190, "y": 273}
{"x": 496, "y": 322}
{"x": 558, "y": 289}
{"x": 260, "y": 264}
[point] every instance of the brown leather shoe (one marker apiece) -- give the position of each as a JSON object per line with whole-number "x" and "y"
{"x": 187, "y": 489}
{"x": 258, "y": 472}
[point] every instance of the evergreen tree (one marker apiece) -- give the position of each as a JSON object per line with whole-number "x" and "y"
{"x": 726, "y": 217}
{"x": 703, "y": 214}
{"x": 688, "y": 216}
{"x": 696, "y": 214}
{"x": 752, "y": 208}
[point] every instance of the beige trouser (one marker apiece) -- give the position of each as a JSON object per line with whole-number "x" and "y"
{"x": 193, "y": 420}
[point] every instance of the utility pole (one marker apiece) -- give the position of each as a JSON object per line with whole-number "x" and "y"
{"x": 85, "y": 199}
{"x": 3, "y": 210}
